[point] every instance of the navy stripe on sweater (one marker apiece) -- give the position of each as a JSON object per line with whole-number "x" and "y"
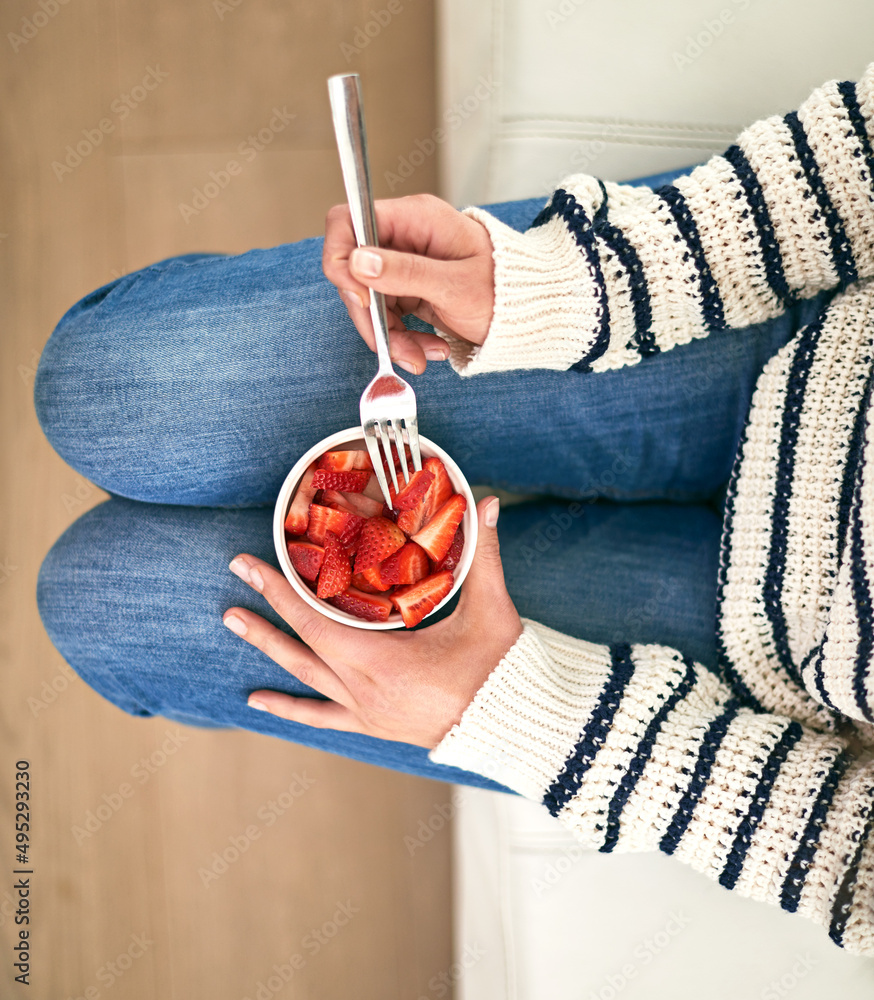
{"x": 726, "y": 668}
{"x": 571, "y": 212}
{"x": 710, "y": 745}
{"x": 851, "y": 467}
{"x": 841, "y": 251}
{"x": 770, "y": 248}
{"x": 772, "y": 591}
{"x": 793, "y": 883}
{"x": 750, "y": 823}
{"x": 714, "y": 315}
{"x": 844, "y": 898}
{"x": 862, "y": 599}
{"x": 644, "y": 338}
{"x": 817, "y": 654}
{"x": 847, "y": 91}
{"x": 592, "y": 739}
{"x": 642, "y": 755}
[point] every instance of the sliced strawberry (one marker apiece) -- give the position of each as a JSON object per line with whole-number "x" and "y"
{"x": 453, "y": 556}
{"x": 408, "y": 565}
{"x": 350, "y": 482}
{"x": 299, "y": 511}
{"x": 437, "y": 535}
{"x": 412, "y": 492}
{"x": 379, "y": 538}
{"x": 336, "y": 500}
{"x": 363, "y": 505}
{"x": 373, "y": 489}
{"x": 336, "y": 572}
{"x": 352, "y": 532}
{"x": 306, "y": 558}
{"x": 345, "y": 526}
{"x": 345, "y": 461}
{"x": 371, "y": 607}
{"x": 376, "y": 579}
{"x": 360, "y": 582}
{"x": 441, "y": 489}
{"x": 420, "y": 599}
{"x": 411, "y": 521}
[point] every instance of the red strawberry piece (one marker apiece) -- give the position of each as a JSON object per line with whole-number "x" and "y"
{"x": 379, "y": 538}
{"x": 441, "y": 489}
{"x": 336, "y": 500}
{"x": 420, "y": 599}
{"x": 363, "y": 505}
{"x": 360, "y": 582}
{"x": 376, "y": 579}
{"x": 453, "y": 556}
{"x": 373, "y": 489}
{"x": 299, "y": 511}
{"x": 306, "y": 558}
{"x": 408, "y": 565}
{"x": 336, "y": 573}
{"x": 411, "y": 521}
{"x": 437, "y": 535}
{"x": 345, "y": 526}
{"x": 353, "y": 481}
{"x": 352, "y": 532}
{"x": 345, "y": 461}
{"x": 412, "y": 492}
{"x": 371, "y": 607}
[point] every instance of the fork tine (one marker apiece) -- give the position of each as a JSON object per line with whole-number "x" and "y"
{"x": 372, "y": 442}
{"x": 398, "y": 428}
{"x": 386, "y": 447}
{"x": 411, "y": 425}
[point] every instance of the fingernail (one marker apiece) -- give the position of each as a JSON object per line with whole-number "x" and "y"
{"x": 367, "y": 263}
{"x": 408, "y": 366}
{"x": 240, "y": 567}
{"x": 492, "y": 512}
{"x": 254, "y": 703}
{"x": 436, "y": 353}
{"x": 256, "y": 579}
{"x": 353, "y": 298}
{"x": 236, "y": 624}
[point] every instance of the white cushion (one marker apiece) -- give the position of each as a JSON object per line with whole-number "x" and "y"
{"x": 537, "y": 918}
{"x": 532, "y": 90}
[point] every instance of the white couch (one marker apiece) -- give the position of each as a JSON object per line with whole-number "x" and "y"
{"x": 532, "y": 90}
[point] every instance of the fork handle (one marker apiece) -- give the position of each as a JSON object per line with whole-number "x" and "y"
{"x": 347, "y": 110}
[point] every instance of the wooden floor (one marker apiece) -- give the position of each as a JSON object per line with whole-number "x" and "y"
{"x": 171, "y": 90}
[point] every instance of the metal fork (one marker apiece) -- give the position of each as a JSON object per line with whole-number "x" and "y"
{"x": 388, "y": 404}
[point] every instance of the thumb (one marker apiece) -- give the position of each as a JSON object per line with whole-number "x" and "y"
{"x": 485, "y": 580}
{"x": 406, "y": 275}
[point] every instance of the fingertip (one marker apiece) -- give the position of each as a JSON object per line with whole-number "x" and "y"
{"x": 365, "y": 263}
{"x": 352, "y": 298}
{"x": 491, "y": 509}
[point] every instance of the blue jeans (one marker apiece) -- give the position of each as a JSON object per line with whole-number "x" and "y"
{"x": 188, "y": 389}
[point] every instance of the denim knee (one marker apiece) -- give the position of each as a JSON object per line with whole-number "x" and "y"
{"x": 66, "y": 590}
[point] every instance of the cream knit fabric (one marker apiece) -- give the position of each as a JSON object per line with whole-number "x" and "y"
{"x": 761, "y": 779}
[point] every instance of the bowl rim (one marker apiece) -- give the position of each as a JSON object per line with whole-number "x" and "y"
{"x": 350, "y": 436}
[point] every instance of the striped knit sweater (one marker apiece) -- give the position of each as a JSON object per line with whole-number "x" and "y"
{"x": 761, "y": 777}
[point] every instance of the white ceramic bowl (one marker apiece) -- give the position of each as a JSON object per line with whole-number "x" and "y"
{"x": 345, "y": 439}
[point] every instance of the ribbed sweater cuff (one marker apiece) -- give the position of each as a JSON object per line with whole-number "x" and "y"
{"x": 525, "y": 720}
{"x": 546, "y": 311}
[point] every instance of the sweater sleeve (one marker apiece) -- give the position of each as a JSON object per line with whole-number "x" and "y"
{"x": 635, "y": 748}
{"x": 610, "y": 273}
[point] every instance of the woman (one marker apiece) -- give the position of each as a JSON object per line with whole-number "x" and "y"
{"x": 744, "y": 750}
